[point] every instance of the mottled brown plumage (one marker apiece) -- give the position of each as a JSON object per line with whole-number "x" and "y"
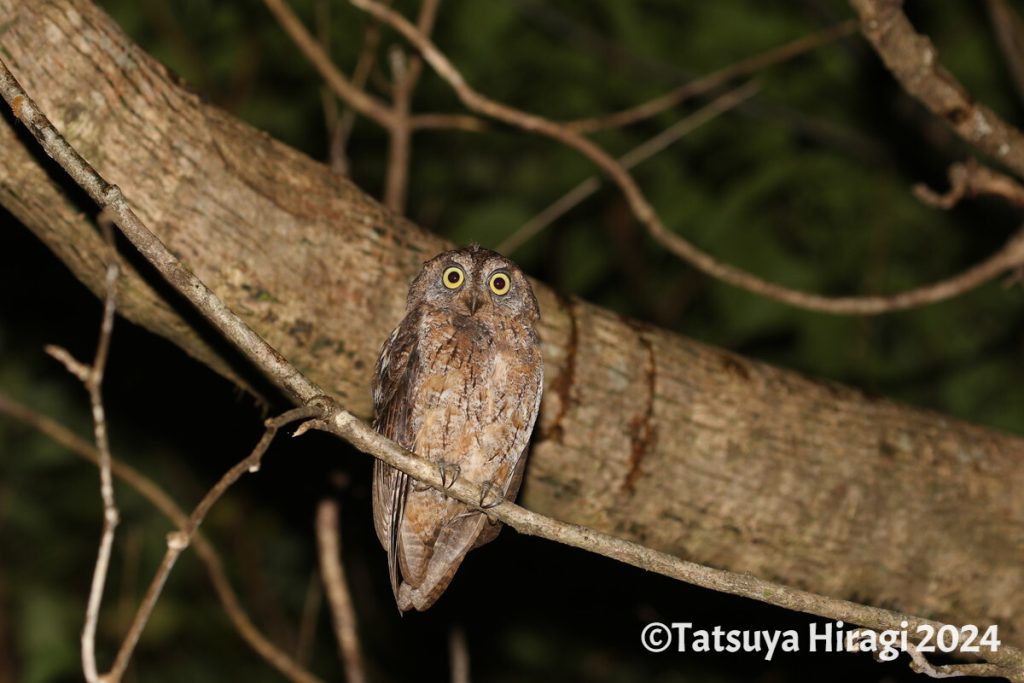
{"x": 458, "y": 382}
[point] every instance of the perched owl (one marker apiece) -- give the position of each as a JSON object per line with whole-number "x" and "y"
{"x": 458, "y": 382}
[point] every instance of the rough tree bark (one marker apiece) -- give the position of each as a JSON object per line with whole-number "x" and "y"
{"x": 643, "y": 433}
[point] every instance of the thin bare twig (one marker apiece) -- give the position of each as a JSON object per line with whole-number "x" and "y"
{"x": 1009, "y": 29}
{"x": 328, "y": 100}
{"x": 178, "y": 541}
{"x": 914, "y": 62}
{"x": 971, "y": 179}
{"x": 400, "y": 135}
{"x": 465, "y": 122}
{"x": 339, "y": 126}
{"x": 92, "y": 377}
{"x": 1008, "y": 258}
{"x": 343, "y": 424}
{"x": 458, "y": 655}
{"x": 713, "y": 80}
{"x": 405, "y": 75}
{"x": 318, "y": 57}
{"x": 920, "y": 664}
{"x": 307, "y": 624}
{"x": 343, "y": 614}
{"x": 152, "y": 492}
{"x": 629, "y": 160}
{"x": 366, "y": 104}
{"x": 361, "y": 101}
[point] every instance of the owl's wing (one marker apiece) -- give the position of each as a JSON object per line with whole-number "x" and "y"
{"x": 393, "y": 380}
{"x": 390, "y": 489}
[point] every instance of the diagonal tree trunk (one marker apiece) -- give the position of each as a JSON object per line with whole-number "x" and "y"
{"x": 643, "y": 433}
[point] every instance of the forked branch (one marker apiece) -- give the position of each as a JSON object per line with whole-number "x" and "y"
{"x": 163, "y": 502}
{"x": 1007, "y": 259}
{"x": 92, "y": 377}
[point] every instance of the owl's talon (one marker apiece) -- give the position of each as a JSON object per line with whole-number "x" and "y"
{"x": 450, "y": 472}
{"x": 490, "y": 495}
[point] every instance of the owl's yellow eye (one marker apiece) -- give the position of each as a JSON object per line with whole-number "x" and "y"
{"x": 453, "y": 277}
{"x": 500, "y": 283}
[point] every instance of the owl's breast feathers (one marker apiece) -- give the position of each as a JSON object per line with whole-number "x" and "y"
{"x": 452, "y": 389}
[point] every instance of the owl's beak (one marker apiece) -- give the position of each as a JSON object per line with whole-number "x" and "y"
{"x": 474, "y": 302}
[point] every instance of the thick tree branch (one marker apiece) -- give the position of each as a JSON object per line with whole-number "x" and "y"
{"x": 110, "y": 198}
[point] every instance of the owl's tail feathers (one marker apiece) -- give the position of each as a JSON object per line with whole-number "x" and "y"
{"x": 456, "y": 539}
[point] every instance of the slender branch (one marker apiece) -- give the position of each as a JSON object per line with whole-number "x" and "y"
{"x": 1009, "y": 30}
{"x": 357, "y": 98}
{"x": 340, "y": 126}
{"x": 630, "y": 159}
{"x": 308, "y": 622}
{"x": 152, "y": 492}
{"x": 971, "y": 179}
{"x": 914, "y": 62}
{"x": 346, "y": 426}
{"x": 458, "y": 655}
{"x": 351, "y": 91}
{"x": 713, "y": 80}
{"x": 178, "y": 541}
{"x": 1007, "y": 259}
{"x": 92, "y": 377}
{"x": 343, "y": 614}
{"x": 400, "y": 134}
{"x": 406, "y": 74}
{"x": 343, "y": 424}
{"x": 328, "y": 100}
{"x": 318, "y": 57}
{"x": 920, "y": 664}
{"x": 464, "y": 122}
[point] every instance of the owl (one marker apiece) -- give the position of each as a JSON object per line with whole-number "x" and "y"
{"x": 458, "y": 382}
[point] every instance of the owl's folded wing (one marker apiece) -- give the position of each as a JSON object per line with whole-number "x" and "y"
{"x": 394, "y": 378}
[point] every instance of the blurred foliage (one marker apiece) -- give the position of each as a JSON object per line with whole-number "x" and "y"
{"x": 807, "y": 184}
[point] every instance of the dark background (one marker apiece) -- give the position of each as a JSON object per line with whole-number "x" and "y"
{"x": 807, "y": 184}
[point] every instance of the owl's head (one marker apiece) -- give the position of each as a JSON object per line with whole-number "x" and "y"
{"x": 475, "y": 282}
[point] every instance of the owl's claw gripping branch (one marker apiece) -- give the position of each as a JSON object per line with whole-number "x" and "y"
{"x": 490, "y": 495}
{"x": 449, "y": 473}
